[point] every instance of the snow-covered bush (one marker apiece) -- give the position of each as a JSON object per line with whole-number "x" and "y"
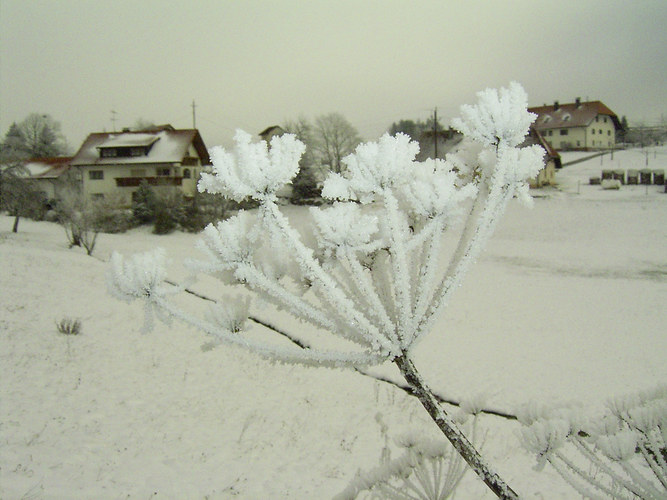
{"x": 370, "y": 273}
{"x": 620, "y": 454}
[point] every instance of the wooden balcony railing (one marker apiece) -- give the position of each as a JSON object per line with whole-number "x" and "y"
{"x": 151, "y": 181}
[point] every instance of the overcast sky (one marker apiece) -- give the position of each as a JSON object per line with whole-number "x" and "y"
{"x": 250, "y": 64}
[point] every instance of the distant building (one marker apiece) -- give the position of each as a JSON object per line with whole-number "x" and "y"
{"x": 268, "y": 133}
{"x": 51, "y": 176}
{"x": 546, "y": 176}
{"x": 434, "y": 144}
{"x": 116, "y": 163}
{"x": 578, "y": 125}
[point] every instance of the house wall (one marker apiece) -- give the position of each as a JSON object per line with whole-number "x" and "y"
{"x": 107, "y": 187}
{"x": 546, "y": 176}
{"x": 601, "y": 133}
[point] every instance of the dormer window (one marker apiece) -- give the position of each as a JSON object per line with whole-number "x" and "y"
{"x": 108, "y": 153}
{"x": 127, "y": 145}
{"x": 567, "y": 117}
{"x": 546, "y": 119}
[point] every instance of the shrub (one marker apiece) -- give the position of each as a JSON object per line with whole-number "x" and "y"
{"x": 69, "y": 326}
{"x": 168, "y": 211}
{"x": 143, "y": 204}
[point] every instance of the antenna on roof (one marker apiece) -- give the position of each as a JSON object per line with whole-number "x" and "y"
{"x": 113, "y": 119}
{"x": 194, "y": 122}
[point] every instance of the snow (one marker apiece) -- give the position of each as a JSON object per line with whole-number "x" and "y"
{"x": 566, "y": 304}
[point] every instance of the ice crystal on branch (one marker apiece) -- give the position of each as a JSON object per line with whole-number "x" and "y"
{"x": 624, "y": 451}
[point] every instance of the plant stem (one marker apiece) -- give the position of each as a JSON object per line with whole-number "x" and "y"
{"x": 458, "y": 440}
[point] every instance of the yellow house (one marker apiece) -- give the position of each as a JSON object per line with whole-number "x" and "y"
{"x": 578, "y": 125}
{"x": 114, "y": 164}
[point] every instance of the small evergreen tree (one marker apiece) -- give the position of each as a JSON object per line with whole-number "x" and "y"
{"x": 144, "y": 204}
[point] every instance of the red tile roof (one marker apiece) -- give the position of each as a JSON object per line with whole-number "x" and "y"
{"x": 576, "y": 114}
{"x": 48, "y": 168}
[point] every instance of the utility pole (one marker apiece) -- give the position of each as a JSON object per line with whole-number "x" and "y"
{"x": 435, "y": 133}
{"x": 113, "y": 119}
{"x": 194, "y": 121}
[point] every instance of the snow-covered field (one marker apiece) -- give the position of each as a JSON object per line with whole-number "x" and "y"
{"x": 567, "y": 304}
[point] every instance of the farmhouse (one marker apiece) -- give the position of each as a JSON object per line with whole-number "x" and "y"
{"x": 578, "y": 125}
{"x": 116, "y": 163}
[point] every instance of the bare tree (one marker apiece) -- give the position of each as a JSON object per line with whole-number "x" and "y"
{"x": 333, "y": 139}
{"x": 42, "y": 136}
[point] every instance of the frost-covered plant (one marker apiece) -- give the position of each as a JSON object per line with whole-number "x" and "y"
{"x": 621, "y": 454}
{"x": 69, "y": 326}
{"x": 370, "y": 272}
{"x": 426, "y": 470}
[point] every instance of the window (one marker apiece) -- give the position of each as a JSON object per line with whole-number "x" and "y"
{"x": 596, "y": 118}
{"x": 96, "y": 175}
{"x": 578, "y": 143}
{"x": 163, "y": 172}
{"x": 564, "y": 131}
{"x": 186, "y": 173}
{"x": 600, "y": 131}
{"x": 108, "y": 153}
{"x": 604, "y": 119}
{"x": 551, "y": 132}
{"x": 608, "y": 132}
{"x": 593, "y": 132}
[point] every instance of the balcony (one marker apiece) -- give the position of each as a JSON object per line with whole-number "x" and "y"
{"x": 151, "y": 181}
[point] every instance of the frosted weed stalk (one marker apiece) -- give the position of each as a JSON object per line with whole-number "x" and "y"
{"x": 371, "y": 274}
{"x": 624, "y": 452}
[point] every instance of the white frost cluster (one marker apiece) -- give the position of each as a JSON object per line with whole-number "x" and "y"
{"x": 624, "y": 449}
{"x": 253, "y": 170}
{"x": 371, "y": 269}
{"x": 499, "y": 118}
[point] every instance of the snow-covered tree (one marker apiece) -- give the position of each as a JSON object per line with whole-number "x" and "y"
{"x": 370, "y": 272}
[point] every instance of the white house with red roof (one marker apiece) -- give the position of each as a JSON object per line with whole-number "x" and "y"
{"x": 578, "y": 125}
{"x": 116, "y": 163}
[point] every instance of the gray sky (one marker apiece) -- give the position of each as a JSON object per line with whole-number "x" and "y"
{"x": 250, "y": 64}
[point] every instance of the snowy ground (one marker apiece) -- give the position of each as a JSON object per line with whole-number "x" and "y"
{"x": 567, "y": 304}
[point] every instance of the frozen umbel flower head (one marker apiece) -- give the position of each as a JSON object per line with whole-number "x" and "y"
{"x": 500, "y": 116}
{"x": 253, "y": 169}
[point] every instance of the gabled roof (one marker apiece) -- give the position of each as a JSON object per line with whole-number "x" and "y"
{"x": 47, "y": 168}
{"x": 576, "y": 114}
{"x": 535, "y": 137}
{"x": 168, "y": 146}
{"x": 275, "y": 129}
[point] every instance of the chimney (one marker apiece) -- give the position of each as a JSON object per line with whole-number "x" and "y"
{"x": 126, "y": 129}
{"x": 556, "y": 106}
{"x": 577, "y": 102}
